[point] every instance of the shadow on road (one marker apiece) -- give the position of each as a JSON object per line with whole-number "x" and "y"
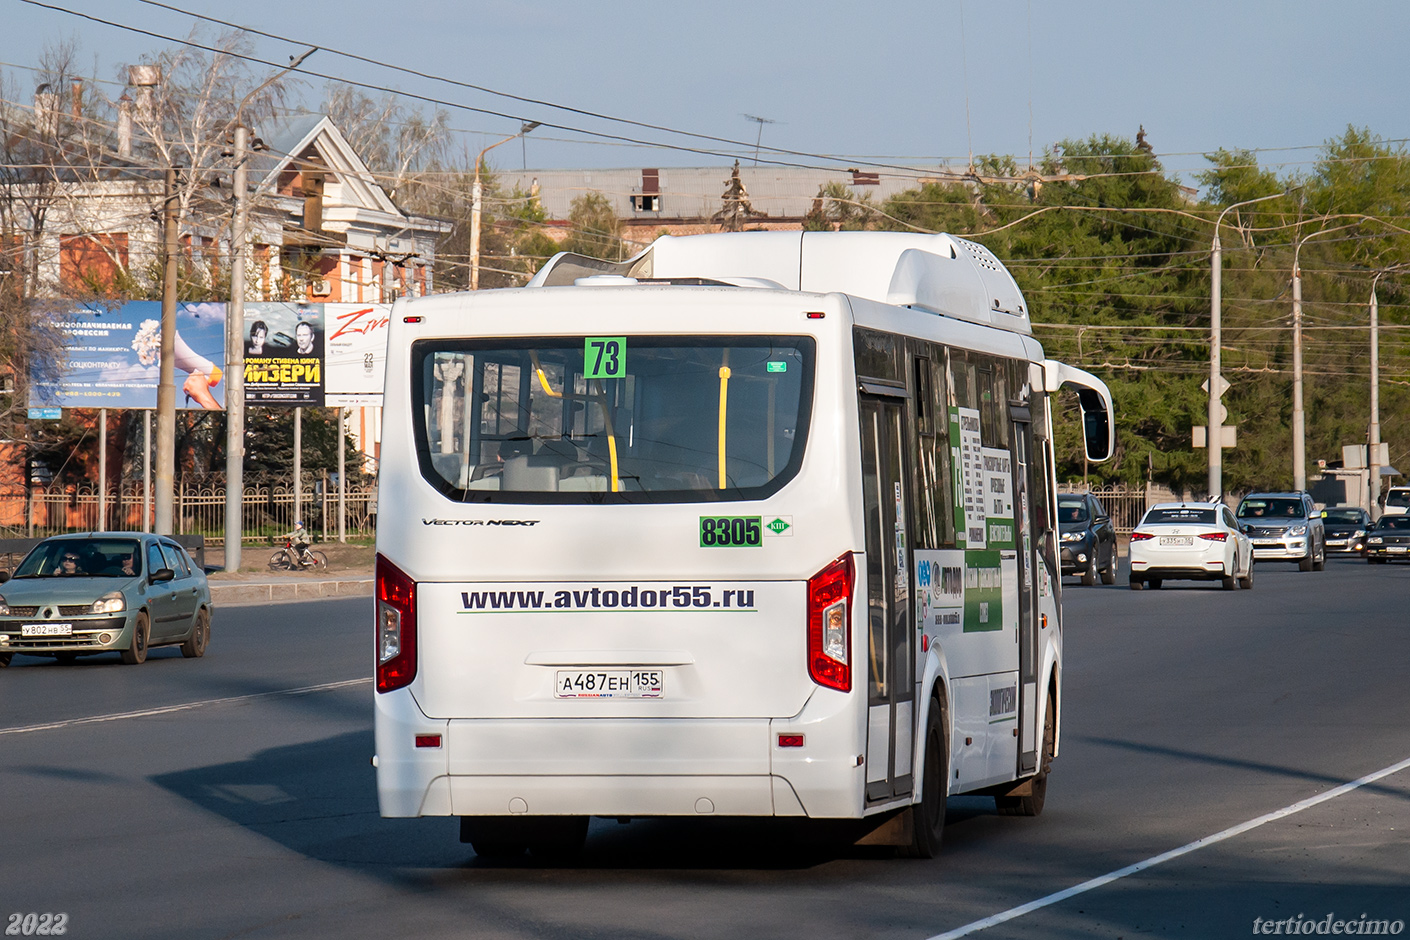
{"x": 319, "y": 799}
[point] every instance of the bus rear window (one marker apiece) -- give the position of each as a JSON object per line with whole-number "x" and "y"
{"x": 593, "y": 419}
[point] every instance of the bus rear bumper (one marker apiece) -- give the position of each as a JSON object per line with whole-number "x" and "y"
{"x": 618, "y": 767}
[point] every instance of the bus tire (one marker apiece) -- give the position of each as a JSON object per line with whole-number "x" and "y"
{"x": 559, "y": 838}
{"x": 928, "y": 816}
{"x": 494, "y": 838}
{"x": 1031, "y": 803}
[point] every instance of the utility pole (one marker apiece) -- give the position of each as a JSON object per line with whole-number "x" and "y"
{"x": 235, "y": 333}
{"x": 166, "y": 385}
{"x": 235, "y": 361}
{"x": 1299, "y": 426}
{"x": 1373, "y": 455}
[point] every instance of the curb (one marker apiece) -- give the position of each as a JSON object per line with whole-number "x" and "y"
{"x": 282, "y": 591}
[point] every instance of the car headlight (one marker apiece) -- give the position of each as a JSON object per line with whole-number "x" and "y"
{"x": 1073, "y": 536}
{"x": 1359, "y": 534}
{"x": 1374, "y": 540}
{"x": 109, "y": 604}
{"x": 4, "y": 608}
{"x": 1297, "y": 530}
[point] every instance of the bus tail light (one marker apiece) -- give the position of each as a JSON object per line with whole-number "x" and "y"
{"x": 396, "y": 627}
{"x": 829, "y": 625}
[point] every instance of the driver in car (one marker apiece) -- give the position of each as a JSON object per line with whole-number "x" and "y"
{"x": 69, "y": 564}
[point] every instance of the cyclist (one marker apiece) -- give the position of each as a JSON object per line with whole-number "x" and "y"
{"x": 299, "y": 538}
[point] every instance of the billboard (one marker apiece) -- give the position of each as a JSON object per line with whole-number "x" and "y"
{"x": 112, "y": 357}
{"x": 295, "y": 355}
{"x": 284, "y": 354}
{"x": 355, "y": 354}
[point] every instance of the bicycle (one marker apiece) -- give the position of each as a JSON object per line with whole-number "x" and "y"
{"x": 289, "y": 559}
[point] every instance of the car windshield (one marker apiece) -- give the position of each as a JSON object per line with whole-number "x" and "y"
{"x": 1399, "y": 498}
{"x": 1394, "y": 522}
{"x": 1271, "y": 508}
{"x": 632, "y": 419}
{"x": 82, "y": 558}
{"x": 1072, "y": 510}
{"x": 1344, "y": 516}
{"x": 1173, "y": 516}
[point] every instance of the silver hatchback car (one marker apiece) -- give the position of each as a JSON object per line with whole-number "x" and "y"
{"x": 120, "y": 592}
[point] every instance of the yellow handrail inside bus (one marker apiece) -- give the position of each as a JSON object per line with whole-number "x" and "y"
{"x": 543, "y": 379}
{"x": 601, "y": 395}
{"x": 724, "y": 407}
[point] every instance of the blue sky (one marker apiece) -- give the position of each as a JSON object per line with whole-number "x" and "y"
{"x": 900, "y": 82}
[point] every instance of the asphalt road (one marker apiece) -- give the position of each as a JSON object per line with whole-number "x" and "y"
{"x": 1188, "y": 711}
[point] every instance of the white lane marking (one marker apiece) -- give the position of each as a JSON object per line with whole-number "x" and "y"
{"x": 165, "y": 709}
{"x": 1120, "y": 873}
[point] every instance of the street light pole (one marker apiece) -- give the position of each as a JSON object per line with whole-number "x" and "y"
{"x": 476, "y": 198}
{"x": 1298, "y": 417}
{"x": 166, "y": 383}
{"x": 1214, "y": 436}
{"x": 1373, "y": 457}
{"x": 235, "y": 335}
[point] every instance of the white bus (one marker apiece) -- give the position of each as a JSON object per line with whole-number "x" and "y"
{"x": 752, "y": 524}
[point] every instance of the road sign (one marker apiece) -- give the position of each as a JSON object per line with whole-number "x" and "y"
{"x": 45, "y": 414}
{"x": 1223, "y": 386}
{"x": 1228, "y": 434}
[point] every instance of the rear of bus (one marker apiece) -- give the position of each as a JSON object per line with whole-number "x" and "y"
{"x": 617, "y": 557}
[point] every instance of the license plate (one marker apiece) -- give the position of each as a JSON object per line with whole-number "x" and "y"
{"x": 1397, "y": 548}
{"x": 1265, "y": 543}
{"x": 1177, "y": 540}
{"x": 608, "y": 683}
{"x": 46, "y": 629}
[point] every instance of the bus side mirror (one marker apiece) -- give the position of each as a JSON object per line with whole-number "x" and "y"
{"x": 1098, "y": 434}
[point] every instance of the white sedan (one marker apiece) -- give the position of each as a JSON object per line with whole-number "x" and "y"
{"x": 1190, "y": 541}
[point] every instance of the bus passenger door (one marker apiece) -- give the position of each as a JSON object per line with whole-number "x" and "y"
{"x": 890, "y": 660}
{"x": 1025, "y": 471}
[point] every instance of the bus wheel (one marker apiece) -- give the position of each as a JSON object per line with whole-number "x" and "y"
{"x": 928, "y": 816}
{"x": 559, "y": 839}
{"x": 1031, "y": 803}
{"x": 494, "y": 838}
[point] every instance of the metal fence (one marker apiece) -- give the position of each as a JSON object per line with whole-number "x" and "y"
{"x": 1125, "y": 504}
{"x": 268, "y": 509}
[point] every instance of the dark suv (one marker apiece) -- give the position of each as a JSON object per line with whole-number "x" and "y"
{"x": 1088, "y": 538}
{"x": 1285, "y": 527}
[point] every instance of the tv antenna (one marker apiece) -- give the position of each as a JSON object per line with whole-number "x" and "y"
{"x": 761, "y": 121}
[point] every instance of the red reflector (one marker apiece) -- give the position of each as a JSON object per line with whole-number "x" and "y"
{"x": 790, "y": 740}
{"x": 1141, "y": 536}
{"x": 411, "y": 319}
{"x": 1214, "y": 536}
{"x": 428, "y": 740}
{"x": 816, "y": 314}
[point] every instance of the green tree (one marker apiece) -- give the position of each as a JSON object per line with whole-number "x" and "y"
{"x": 594, "y": 229}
